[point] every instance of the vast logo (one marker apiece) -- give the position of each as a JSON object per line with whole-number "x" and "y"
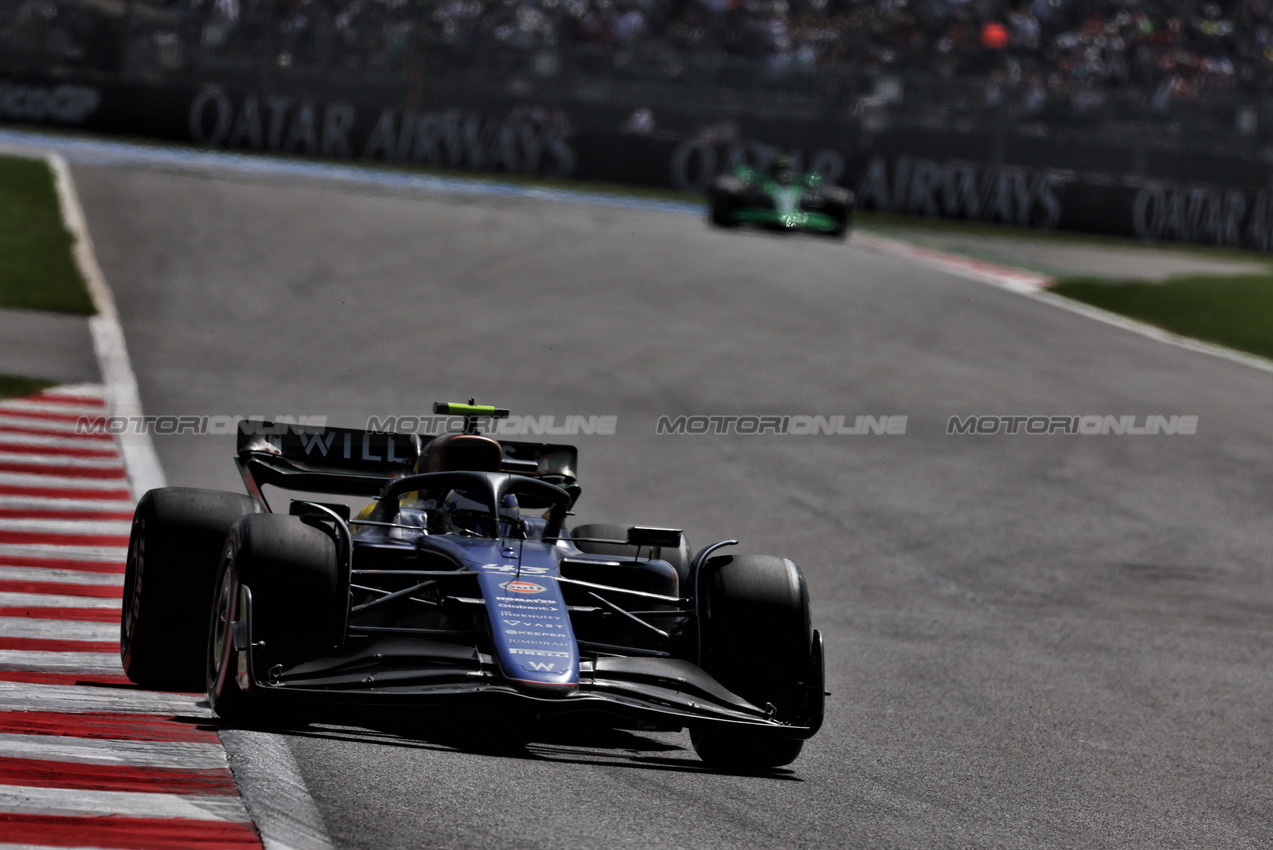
{"x": 523, "y": 587}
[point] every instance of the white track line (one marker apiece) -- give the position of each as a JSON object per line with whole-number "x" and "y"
{"x": 8, "y": 454}
{"x": 1034, "y": 285}
{"x": 67, "y": 526}
{"x": 65, "y": 391}
{"x": 284, "y": 812}
{"x": 43, "y": 847}
{"x": 270, "y": 782}
{"x": 1152, "y": 332}
{"x": 39, "y": 661}
{"x": 15, "y": 442}
{"x": 65, "y": 553}
{"x": 69, "y": 801}
{"x": 50, "y": 427}
{"x": 1006, "y": 277}
{"x": 51, "y": 408}
{"x": 124, "y": 399}
{"x": 74, "y": 553}
{"x": 59, "y": 411}
{"x": 30, "y": 627}
{"x": 94, "y": 390}
{"x": 68, "y": 483}
{"x": 22, "y": 696}
{"x": 50, "y": 600}
{"x": 71, "y": 502}
{"x": 113, "y": 751}
{"x": 59, "y": 576}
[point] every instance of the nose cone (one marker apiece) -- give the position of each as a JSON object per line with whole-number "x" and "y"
{"x": 534, "y": 644}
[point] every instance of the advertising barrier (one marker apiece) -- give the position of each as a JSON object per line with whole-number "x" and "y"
{"x": 893, "y": 173}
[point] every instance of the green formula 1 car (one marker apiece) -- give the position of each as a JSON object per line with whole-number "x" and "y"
{"x": 780, "y": 198}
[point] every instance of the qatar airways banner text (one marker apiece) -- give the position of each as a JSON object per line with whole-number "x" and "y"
{"x": 574, "y": 140}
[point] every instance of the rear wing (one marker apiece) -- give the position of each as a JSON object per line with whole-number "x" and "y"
{"x": 356, "y": 462}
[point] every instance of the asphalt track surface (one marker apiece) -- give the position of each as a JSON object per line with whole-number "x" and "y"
{"x": 1033, "y": 641}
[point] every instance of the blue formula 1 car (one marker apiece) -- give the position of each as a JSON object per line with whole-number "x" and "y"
{"x": 461, "y": 583}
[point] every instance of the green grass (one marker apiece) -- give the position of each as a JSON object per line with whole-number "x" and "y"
{"x": 37, "y": 269}
{"x": 13, "y": 387}
{"x": 1234, "y": 311}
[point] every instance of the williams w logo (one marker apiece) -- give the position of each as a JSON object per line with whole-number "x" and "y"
{"x": 542, "y": 666}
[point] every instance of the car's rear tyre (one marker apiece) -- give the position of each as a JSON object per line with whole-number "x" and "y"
{"x": 841, "y": 230}
{"x": 841, "y": 209}
{"x": 757, "y": 642}
{"x": 721, "y": 213}
{"x": 169, "y": 574}
{"x": 289, "y": 570}
{"x": 679, "y": 557}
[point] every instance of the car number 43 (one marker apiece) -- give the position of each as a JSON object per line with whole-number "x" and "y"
{"x": 512, "y": 568}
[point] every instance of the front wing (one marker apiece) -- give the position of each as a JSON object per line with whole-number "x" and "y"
{"x": 402, "y": 672}
{"x": 797, "y": 220}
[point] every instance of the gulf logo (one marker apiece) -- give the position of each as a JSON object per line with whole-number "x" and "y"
{"x": 523, "y": 587}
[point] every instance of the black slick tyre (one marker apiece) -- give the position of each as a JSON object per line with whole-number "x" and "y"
{"x": 721, "y": 213}
{"x": 757, "y": 641}
{"x": 841, "y": 209}
{"x": 277, "y": 587}
{"x": 171, "y": 566}
{"x": 841, "y": 230}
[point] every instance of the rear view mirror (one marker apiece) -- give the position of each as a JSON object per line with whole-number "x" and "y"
{"x": 640, "y": 535}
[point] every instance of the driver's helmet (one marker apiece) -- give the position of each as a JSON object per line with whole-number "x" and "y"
{"x": 781, "y": 170}
{"x": 466, "y": 514}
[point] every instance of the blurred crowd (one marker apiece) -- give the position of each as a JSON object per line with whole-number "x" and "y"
{"x": 1176, "y": 49}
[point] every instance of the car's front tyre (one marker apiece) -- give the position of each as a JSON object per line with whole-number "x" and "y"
{"x": 722, "y": 202}
{"x": 176, "y": 538}
{"x": 840, "y": 207}
{"x": 757, "y": 641}
{"x": 286, "y": 572}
